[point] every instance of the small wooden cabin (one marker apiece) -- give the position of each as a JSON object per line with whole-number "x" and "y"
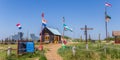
{"x": 50, "y": 35}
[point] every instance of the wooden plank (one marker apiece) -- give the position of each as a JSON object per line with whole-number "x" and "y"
{"x": 86, "y": 28}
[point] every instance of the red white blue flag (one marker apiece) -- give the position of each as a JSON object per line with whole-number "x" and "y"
{"x": 19, "y": 26}
{"x": 44, "y": 22}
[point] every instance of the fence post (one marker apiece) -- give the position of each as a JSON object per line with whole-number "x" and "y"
{"x": 73, "y": 50}
{"x": 9, "y": 51}
{"x": 105, "y": 49}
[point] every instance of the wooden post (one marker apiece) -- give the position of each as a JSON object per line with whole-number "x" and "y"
{"x": 89, "y": 38}
{"x": 9, "y": 51}
{"x": 85, "y": 31}
{"x": 81, "y": 38}
{"x": 86, "y": 36}
{"x": 105, "y": 49}
{"x": 99, "y": 38}
{"x": 73, "y": 50}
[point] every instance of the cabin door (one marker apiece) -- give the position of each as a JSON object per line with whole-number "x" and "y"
{"x": 46, "y": 38}
{"x": 56, "y": 39}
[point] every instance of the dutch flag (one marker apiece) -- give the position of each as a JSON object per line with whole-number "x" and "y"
{"x": 19, "y": 26}
{"x": 44, "y": 22}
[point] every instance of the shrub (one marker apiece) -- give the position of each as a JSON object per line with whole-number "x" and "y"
{"x": 42, "y": 57}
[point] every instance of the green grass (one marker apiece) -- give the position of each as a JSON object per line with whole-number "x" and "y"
{"x": 29, "y": 56}
{"x": 95, "y": 52}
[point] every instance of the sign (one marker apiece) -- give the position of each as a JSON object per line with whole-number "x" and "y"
{"x": 25, "y": 46}
{"x": 21, "y": 47}
{"x": 116, "y": 33}
{"x": 29, "y": 47}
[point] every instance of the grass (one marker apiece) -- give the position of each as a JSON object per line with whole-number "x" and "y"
{"x": 96, "y": 51}
{"x": 29, "y": 56}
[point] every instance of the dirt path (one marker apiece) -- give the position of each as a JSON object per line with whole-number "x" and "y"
{"x": 52, "y": 54}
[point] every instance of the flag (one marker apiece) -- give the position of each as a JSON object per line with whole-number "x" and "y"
{"x": 44, "y": 22}
{"x": 107, "y": 18}
{"x": 19, "y": 26}
{"x": 108, "y": 4}
{"x": 67, "y": 28}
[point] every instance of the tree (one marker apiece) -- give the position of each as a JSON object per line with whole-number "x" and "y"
{"x": 110, "y": 38}
{"x": 66, "y": 37}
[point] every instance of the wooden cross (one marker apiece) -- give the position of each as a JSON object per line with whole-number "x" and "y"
{"x": 85, "y": 31}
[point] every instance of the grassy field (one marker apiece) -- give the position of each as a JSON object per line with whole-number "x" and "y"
{"x": 96, "y": 51}
{"x": 36, "y": 55}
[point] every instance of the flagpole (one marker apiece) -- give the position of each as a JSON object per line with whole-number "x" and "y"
{"x": 41, "y": 31}
{"x": 63, "y": 29}
{"x": 106, "y": 23}
{"x": 40, "y": 46}
{"x": 41, "y": 36}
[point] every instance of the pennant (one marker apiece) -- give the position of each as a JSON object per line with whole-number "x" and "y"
{"x": 107, "y": 18}
{"x": 108, "y": 4}
{"x": 67, "y": 28}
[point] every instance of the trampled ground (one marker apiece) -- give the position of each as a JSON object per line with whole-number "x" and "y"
{"x": 52, "y": 54}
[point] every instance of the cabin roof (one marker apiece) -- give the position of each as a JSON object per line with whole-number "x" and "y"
{"x": 54, "y": 31}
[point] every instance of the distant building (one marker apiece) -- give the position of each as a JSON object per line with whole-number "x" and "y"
{"x": 18, "y": 36}
{"x": 50, "y": 35}
{"x": 33, "y": 37}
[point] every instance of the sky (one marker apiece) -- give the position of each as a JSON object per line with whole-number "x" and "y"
{"x": 77, "y": 13}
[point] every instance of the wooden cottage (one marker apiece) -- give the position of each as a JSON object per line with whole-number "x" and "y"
{"x": 50, "y": 35}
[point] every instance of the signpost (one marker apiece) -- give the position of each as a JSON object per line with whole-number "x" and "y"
{"x": 85, "y": 30}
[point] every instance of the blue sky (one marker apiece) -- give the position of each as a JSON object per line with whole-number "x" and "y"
{"x": 77, "y": 13}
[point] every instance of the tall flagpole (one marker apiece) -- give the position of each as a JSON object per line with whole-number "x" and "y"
{"x": 63, "y": 29}
{"x": 41, "y": 36}
{"x": 107, "y": 18}
{"x": 40, "y": 46}
{"x": 106, "y": 23}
